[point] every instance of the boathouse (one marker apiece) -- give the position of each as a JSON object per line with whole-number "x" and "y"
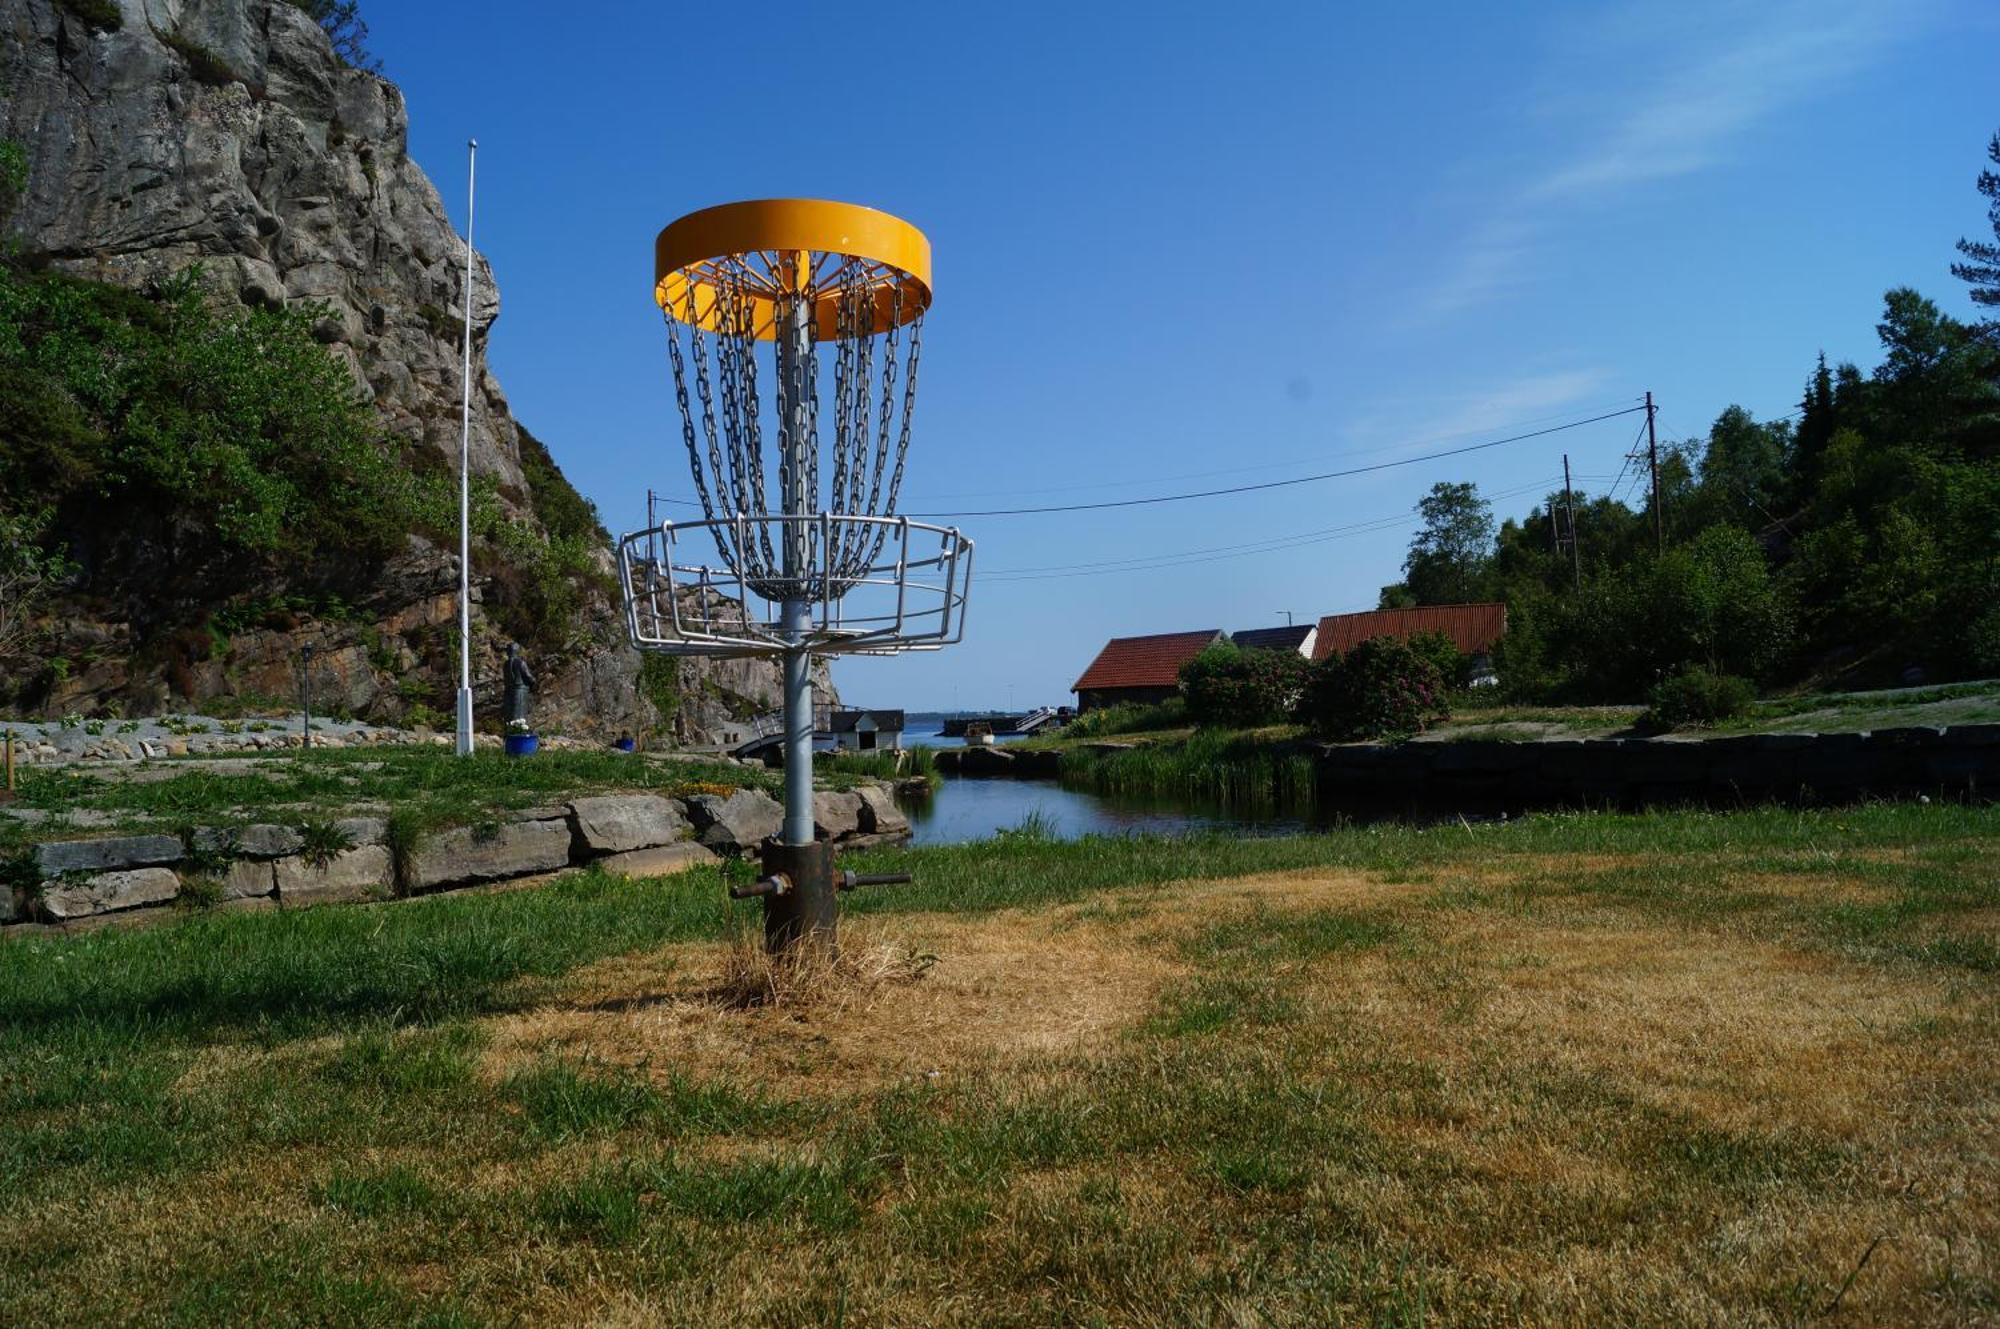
{"x": 867, "y": 731}
{"x": 1140, "y": 669}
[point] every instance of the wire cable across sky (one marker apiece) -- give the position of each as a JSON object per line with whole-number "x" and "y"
{"x": 1282, "y": 484}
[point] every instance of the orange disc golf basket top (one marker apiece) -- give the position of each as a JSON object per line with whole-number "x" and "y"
{"x": 794, "y": 330}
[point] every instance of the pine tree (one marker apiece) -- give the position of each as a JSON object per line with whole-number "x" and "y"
{"x": 1981, "y": 270}
{"x": 1817, "y": 421}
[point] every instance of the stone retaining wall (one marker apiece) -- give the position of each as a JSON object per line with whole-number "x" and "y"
{"x": 1960, "y": 761}
{"x": 68, "y": 883}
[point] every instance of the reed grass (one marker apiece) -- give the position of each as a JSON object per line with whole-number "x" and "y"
{"x": 1235, "y": 771}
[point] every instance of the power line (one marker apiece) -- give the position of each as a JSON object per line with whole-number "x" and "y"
{"x": 1281, "y": 484}
{"x": 1261, "y": 466}
{"x": 1186, "y": 557}
{"x": 1272, "y": 484}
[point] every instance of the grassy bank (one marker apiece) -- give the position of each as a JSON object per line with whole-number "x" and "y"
{"x": 424, "y": 786}
{"x": 1478, "y": 718}
{"x": 1534, "y": 1072}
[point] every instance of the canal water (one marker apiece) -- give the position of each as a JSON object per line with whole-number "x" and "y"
{"x": 974, "y": 809}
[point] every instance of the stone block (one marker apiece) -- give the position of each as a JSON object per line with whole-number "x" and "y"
{"x": 1962, "y": 768}
{"x": 1482, "y": 758}
{"x": 1782, "y": 742}
{"x": 474, "y": 853}
{"x": 1665, "y": 762}
{"x": 248, "y": 879}
{"x": 108, "y": 892}
{"x": 736, "y": 824}
{"x": 879, "y": 813}
{"x": 264, "y": 840}
{"x": 1911, "y": 736}
{"x": 107, "y": 855}
{"x": 619, "y": 823}
{"x": 993, "y": 761}
{"x": 362, "y": 873}
{"x": 1973, "y": 736}
{"x": 1037, "y": 763}
{"x": 836, "y": 815}
{"x": 661, "y": 861}
{"x": 363, "y": 830}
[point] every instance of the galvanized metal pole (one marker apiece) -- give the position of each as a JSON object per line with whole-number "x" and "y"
{"x": 465, "y": 476}
{"x": 805, "y": 911}
{"x": 792, "y": 389}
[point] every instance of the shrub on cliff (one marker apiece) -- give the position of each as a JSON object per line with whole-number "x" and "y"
{"x": 235, "y": 423}
{"x": 1230, "y": 687}
{"x": 1383, "y": 688}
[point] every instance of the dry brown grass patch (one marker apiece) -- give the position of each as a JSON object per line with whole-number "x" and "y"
{"x": 932, "y": 995}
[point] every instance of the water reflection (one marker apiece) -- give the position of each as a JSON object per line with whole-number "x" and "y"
{"x": 973, "y": 809}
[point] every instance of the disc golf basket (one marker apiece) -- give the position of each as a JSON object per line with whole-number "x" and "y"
{"x": 794, "y": 328}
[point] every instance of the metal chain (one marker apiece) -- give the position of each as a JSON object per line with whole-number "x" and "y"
{"x": 756, "y": 498}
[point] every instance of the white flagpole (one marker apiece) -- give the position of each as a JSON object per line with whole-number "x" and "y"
{"x": 465, "y": 479}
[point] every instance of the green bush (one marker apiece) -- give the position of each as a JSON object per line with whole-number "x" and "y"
{"x": 235, "y": 421}
{"x": 660, "y": 683}
{"x": 1697, "y": 697}
{"x": 1229, "y": 687}
{"x": 1443, "y": 653}
{"x": 1381, "y": 689}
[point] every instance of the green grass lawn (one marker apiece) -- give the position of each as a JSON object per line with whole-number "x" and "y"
{"x": 1676, "y": 1068}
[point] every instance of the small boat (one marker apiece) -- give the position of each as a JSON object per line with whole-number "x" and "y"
{"x": 979, "y": 734}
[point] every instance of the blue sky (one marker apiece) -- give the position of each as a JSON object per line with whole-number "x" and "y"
{"x": 1183, "y": 246}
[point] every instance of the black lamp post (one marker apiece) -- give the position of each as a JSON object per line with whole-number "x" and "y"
{"x": 306, "y": 690}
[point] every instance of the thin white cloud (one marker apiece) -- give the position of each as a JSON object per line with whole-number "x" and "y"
{"x": 1741, "y": 65}
{"x": 1522, "y": 402}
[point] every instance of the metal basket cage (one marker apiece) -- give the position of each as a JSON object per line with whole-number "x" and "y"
{"x": 908, "y": 594}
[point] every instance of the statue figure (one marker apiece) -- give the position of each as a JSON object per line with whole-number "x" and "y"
{"x": 520, "y": 683}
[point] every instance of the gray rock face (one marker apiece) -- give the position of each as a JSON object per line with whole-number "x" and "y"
{"x": 363, "y": 873}
{"x": 291, "y": 181}
{"x": 736, "y": 824}
{"x": 470, "y": 853}
{"x": 112, "y": 853}
{"x": 107, "y": 892}
{"x": 617, "y": 823}
{"x": 226, "y": 132}
{"x": 836, "y": 814}
{"x": 663, "y": 861}
{"x": 879, "y": 813}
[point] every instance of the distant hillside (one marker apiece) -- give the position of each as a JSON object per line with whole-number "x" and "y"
{"x": 229, "y": 394}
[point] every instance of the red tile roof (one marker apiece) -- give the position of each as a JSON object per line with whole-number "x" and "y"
{"x": 1473, "y": 628}
{"x": 1144, "y": 662}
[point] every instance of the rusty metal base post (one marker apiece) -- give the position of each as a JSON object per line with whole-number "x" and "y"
{"x": 807, "y": 911}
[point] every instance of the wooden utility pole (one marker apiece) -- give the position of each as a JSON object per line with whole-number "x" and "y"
{"x": 1653, "y": 459}
{"x": 1569, "y": 515}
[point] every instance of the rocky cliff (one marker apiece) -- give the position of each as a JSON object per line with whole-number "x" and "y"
{"x": 162, "y": 134}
